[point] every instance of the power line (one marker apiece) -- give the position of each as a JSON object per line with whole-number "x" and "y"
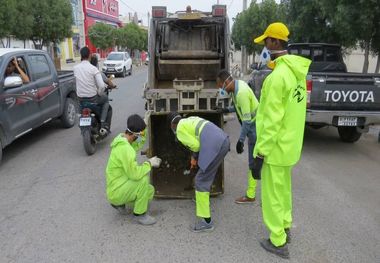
{"x": 128, "y": 6}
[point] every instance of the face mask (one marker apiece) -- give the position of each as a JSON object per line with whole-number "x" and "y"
{"x": 222, "y": 92}
{"x": 138, "y": 139}
{"x": 265, "y": 56}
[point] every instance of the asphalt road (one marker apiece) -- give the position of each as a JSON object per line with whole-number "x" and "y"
{"x": 53, "y": 206}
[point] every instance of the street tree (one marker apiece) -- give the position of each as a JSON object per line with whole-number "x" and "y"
{"x": 102, "y": 35}
{"x": 8, "y": 17}
{"x": 52, "y": 21}
{"x": 253, "y": 22}
{"x": 132, "y": 35}
{"x": 22, "y": 27}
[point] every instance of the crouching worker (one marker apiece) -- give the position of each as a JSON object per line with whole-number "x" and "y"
{"x": 127, "y": 181}
{"x": 209, "y": 145}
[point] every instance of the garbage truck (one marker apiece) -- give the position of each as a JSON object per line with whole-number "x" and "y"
{"x": 187, "y": 49}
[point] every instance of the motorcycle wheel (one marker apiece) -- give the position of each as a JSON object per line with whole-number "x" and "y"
{"x": 88, "y": 142}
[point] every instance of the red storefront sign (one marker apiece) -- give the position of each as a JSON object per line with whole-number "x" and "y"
{"x": 95, "y": 11}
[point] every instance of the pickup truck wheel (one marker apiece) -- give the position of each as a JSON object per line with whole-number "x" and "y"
{"x": 124, "y": 74}
{"x": 88, "y": 142}
{"x": 349, "y": 134}
{"x": 130, "y": 71}
{"x": 69, "y": 115}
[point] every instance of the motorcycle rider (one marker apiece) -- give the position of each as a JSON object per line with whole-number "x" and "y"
{"x": 108, "y": 81}
{"x": 91, "y": 87}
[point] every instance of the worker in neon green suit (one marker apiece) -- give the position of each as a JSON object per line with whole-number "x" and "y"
{"x": 209, "y": 145}
{"x": 245, "y": 105}
{"x": 127, "y": 181}
{"x": 280, "y": 124}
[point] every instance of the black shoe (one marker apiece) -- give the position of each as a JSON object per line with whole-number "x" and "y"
{"x": 281, "y": 251}
{"x": 288, "y": 235}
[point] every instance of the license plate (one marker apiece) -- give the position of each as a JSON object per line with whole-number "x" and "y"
{"x": 111, "y": 69}
{"x": 85, "y": 121}
{"x": 347, "y": 121}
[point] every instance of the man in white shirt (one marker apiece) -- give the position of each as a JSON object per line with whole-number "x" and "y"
{"x": 90, "y": 87}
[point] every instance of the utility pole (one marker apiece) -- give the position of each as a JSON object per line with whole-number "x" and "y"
{"x": 217, "y": 2}
{"x": 243, "y": 48}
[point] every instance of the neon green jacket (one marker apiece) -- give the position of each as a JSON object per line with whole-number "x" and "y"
{"x": 188, "y": 131}
{"x": 245, "y": 102}
{"x": 122, "y": 167}
{"x": 280, "y": 119}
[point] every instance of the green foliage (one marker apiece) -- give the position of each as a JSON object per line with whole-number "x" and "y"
{"x": 42, "y": 21}
{"x": 8, "y": 16}
{"x": 102, "y": 35}
{"x": 132, "y": 37}
{"x": 52, "y": 20}
{"x": 252, "y": 23}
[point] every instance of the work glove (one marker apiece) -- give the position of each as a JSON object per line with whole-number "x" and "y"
{"x": 239, "y": 147}
{"x": 193, "y": 163}
{"x": 219, "y": 109}
{"x": 257, "y": 165}
{"x": 147, "y": 116}
{"x": 155, "y": 162}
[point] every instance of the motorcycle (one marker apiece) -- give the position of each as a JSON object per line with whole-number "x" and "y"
{"x": 89, "y": 124}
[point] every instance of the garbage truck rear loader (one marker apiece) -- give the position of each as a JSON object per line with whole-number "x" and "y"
{"x": 187, "y": 49}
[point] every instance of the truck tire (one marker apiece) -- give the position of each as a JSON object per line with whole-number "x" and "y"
{"x": 349, "y": 134}
{"x": 124, "y": 74}
{"x": 69, "y": 114}
{"x": 88, "y": 142}
{"x": 130, "y": 71}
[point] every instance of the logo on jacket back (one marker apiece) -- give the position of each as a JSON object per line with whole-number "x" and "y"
{"x": 299, "y": 93}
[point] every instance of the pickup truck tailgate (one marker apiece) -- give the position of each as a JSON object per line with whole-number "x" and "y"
{"x": 345, "y": 91}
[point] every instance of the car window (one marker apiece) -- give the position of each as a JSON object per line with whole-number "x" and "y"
{"x": 333, "y": 54}
{"x": 318, "y": 54}
{"x": 293, "y": 51}
{"x": 22, "y": 65}
{"x": 127, "y": 55}
{"x": 114, "y": 56}
{"x": 40, "y": 66}
{"x": 305, "y": 52}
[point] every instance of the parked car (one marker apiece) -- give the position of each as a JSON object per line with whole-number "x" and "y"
{"x": 335, "y": 97}
{"x": 50, "y": 94}
{"x": 118, "y": 63}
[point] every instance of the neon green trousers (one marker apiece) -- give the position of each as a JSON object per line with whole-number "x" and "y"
{"x": 139, "y": 194}
{"x": 202, "y": 200}
{"x": 276, "y": 197}
{"x": 251, "y": 189}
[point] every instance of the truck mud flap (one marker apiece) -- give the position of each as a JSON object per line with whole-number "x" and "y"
{"x": 173, "y": 179}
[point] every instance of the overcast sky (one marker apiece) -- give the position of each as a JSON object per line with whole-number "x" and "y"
{"x": 142, "y": 7}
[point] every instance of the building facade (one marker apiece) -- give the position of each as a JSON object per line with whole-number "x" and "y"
{"x": 99, "y": 11}
{"x": 69, "y": 48}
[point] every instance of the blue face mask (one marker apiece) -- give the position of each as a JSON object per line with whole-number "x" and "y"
{"x": 139, "y": 139}
{"x": 222, "y": 90}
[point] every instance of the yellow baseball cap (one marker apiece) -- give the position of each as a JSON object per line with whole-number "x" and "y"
{"x": 275, "y": 30}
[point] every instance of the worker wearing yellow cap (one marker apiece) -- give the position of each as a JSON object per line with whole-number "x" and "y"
{"x": 280, "y": 123}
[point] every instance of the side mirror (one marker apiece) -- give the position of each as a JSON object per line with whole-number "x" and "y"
{"x": 12, "y": 82}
